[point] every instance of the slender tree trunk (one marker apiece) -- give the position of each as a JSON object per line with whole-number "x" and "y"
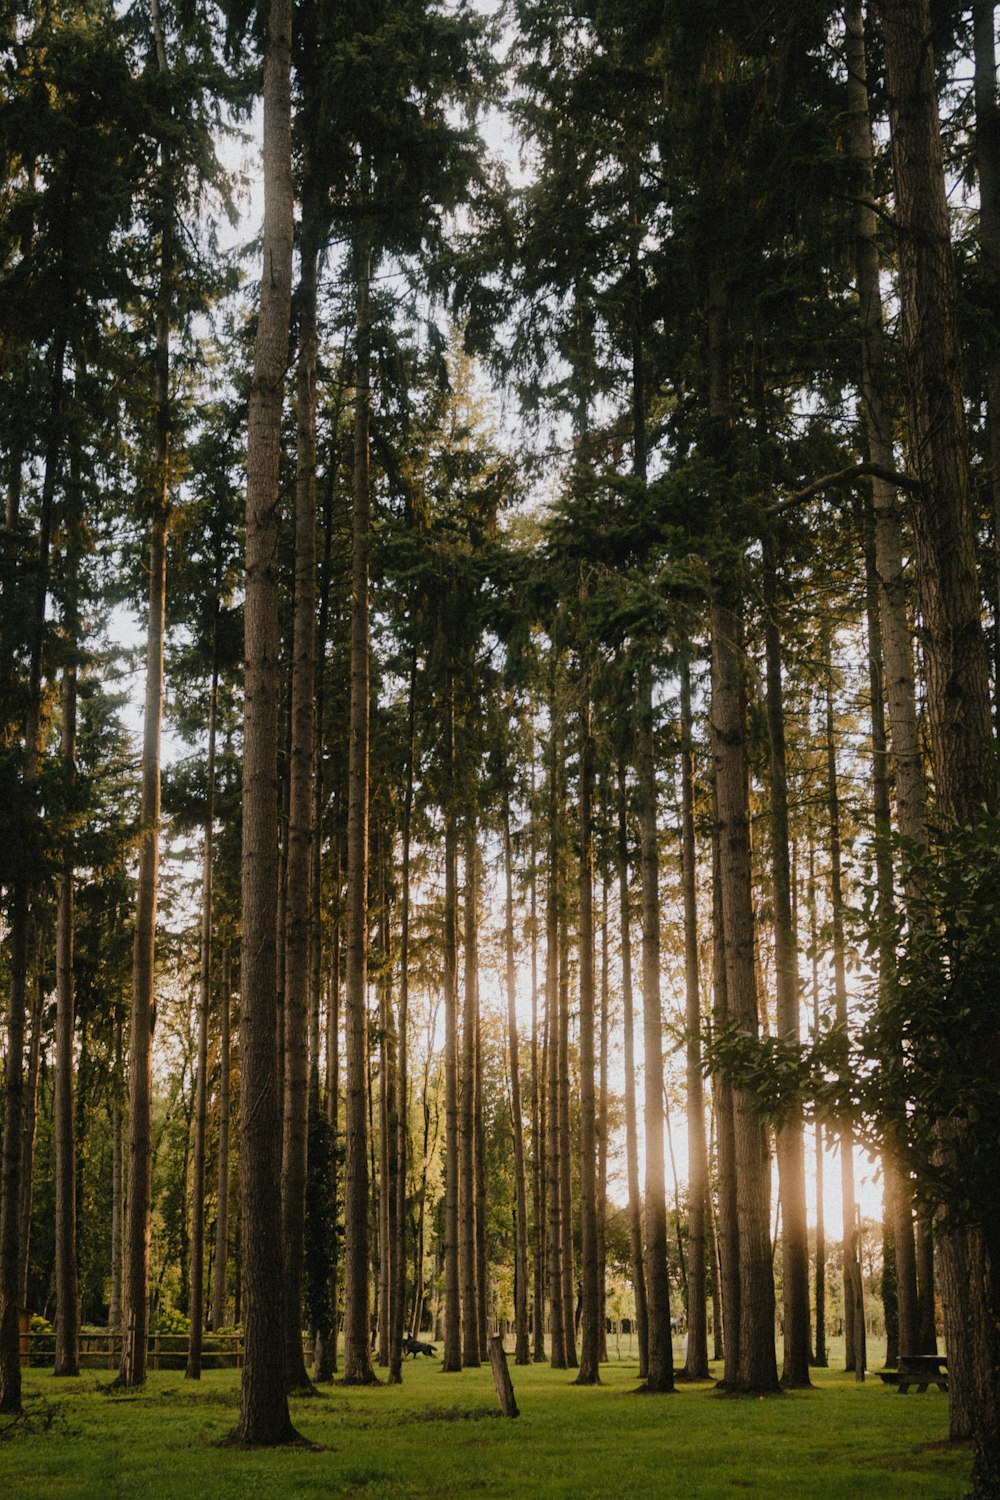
{"x": 357, "y": 1354}
{"x": 388, "y": 1126}
{"x": 696, "y": 1364}
{"x": 538, "y": 1194}
{"x": 453, "y": 1307}
{"x": 660, "y": 1376}
{"x": 328, "y": 1366}
{"x": 264, "y": 1415}
{"x": 849, "y": 1241}
{"x": 139, "y": 1190}
{"x": 589, "y": 1373}
{"x": 791, "y": 1156}
{"x": 467, "y": 1143}
{"x": 728, "y": 1236}
{"x": 296, "y": 934}
{"x": 820, "y": 1355}
{"x": 30, "y": 1128}
{"x": 757, "y": 1369}
{"x": 67, "y": 1320}
{"x": 565, "y": 1150}
{"x": 713, "y": 1260}
{"x": 631, "y": 1121}
{"x": 557, "y": 1349}
{"x": 398, "y": 1310}
{"x": 521, "y": 1351}
{"x": 220, "y": 1279}
{"x": 117, "y": 1184}
{"x": 895, "y": 651}
{"x": 485, "y": 1303}
{"x": 602, "y": 1136}
{"x": 197, "y": 1285}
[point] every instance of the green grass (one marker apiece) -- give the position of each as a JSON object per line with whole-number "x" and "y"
{"x": 439, "y": 1435}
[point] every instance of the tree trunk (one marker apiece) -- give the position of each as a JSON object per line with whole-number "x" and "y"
{"x": 467, "y": 1143}
{"x": 696, "y": 1364}
{"x": 631, "y": 1121}
{"x": 538, "y": 1194}
{"x": 485, "y": 1304}
{"x": 521, "y": 1348}
{"x": 589, "y": 1373}
{"x": 660, "y": 1376}
{"x": 602, "y": 1136}
{"x": 398, "y": 1309}
{"x": 67, "y": 1320}
{"x": 849, "y": 1241}
{"x": 791, "y": 1156}
{"x": 357, "y": 1354}
{"x": 893, "y": 655}
{"x": 565, "y": 1148}
{"x": 117, "y": 1184}
{"x": 30, "y": 1128}
{"x": 296, "y": 934}
{"x": 220, "y": 1279}
{"x": 197, "y": 1285}
{"x": 820, "y": 1355}
{"x": 557, "y": 1348}
{"x": 452, "y": 1308}
{"x": 264, "y": 1415}
{"x": 756, "y": 1368}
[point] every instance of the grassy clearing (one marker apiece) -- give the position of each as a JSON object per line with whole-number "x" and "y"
{"x": 439, "y": 1435}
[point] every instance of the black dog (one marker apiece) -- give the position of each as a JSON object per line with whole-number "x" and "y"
{"x": 414, "y": 1346}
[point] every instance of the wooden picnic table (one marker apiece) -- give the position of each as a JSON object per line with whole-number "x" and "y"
{"x": 920, "y": 1370}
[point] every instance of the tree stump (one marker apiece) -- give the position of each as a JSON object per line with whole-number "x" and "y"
{"x": 501, "y": 1378}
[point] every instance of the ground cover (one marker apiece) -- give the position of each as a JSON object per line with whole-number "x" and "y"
{"x": 440, "y": 1435}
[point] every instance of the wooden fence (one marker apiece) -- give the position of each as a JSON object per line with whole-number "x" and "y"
{"x": 166, "y": 1351}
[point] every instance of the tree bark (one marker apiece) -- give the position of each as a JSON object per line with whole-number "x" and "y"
{"x": 357, "y": 1356}
{"x": 557, "y": 1348}
{"x": 538, "y": 1194}
{"x": 467, "y": 1142}
{"x": 264, "y": 1417}
{"x": 660, "y": 1376}
{"x": 197, "y": 1285}
{"x": 602, "y": 1134}
{"x": 589, "y": 1373}
{"x": 398, "y": 1309}
{"x": 565, "y": 1148}
{"x": 894, "y": 655}
{"x": 521, "y": 1346}
{"x": 819, "y": 1355}
{"x": 849, "y": 1243}
{"x": 791, "y": 1156}
{"x": 631, "y": 1114}
{"x": 756, "y": 1368}
{"x": 296, "y": 934}
{"x": 696, "y": 1363}
{"x": 452, "y": 1269}
{"x": 220, "y": 1278}
{"x": 67, "y": 1320}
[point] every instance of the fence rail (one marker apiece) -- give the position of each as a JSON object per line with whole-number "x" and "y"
{"x": 165, "y": 1351}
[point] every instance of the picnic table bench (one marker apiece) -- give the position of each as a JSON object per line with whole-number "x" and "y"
{"x": 920, "y": 1370}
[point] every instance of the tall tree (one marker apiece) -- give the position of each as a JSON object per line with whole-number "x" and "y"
{"x": 264, "y": 1417}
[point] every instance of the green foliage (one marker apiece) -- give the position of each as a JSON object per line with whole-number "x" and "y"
{"x": 933, "y": 1040}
